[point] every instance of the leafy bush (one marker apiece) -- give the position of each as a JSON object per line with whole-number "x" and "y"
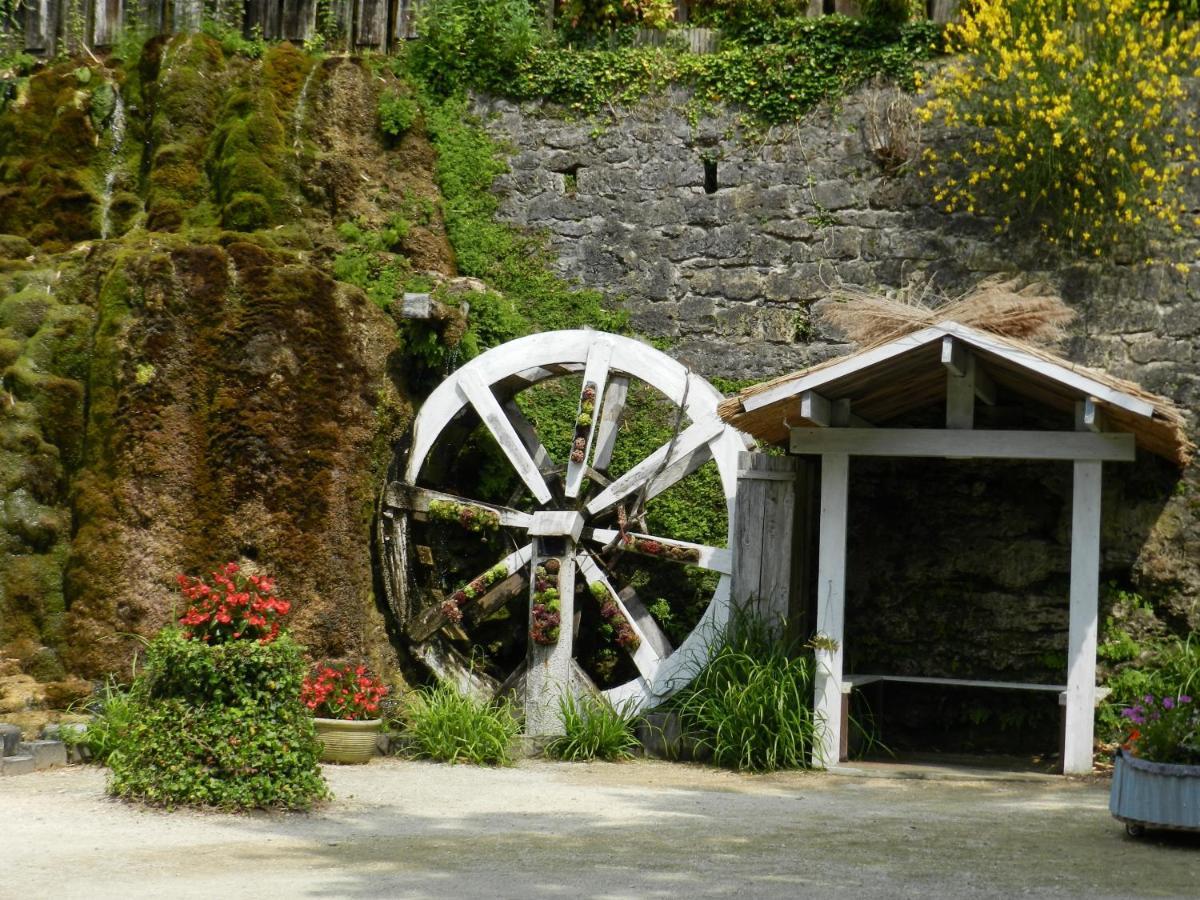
{"x": 476, "y": 42}
{"x": 751, "y": 705}
{"x": 444, "y": 725}
{"x": 581, "y": 17}
{"x": 397, "y": 114}
{"x": 595, "y": 729}
{"x": 1068, "y": 114}
{"x": 218, "y": 726}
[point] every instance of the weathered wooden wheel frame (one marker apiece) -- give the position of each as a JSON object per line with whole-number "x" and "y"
{"x": 486, "y": 387}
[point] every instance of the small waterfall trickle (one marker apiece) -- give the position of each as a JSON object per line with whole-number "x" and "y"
{"x": 301, "y": 108}
{"x": 117, "y": 127}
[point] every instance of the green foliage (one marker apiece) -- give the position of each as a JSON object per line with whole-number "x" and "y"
{"x": 751, "y": 705}
{"x": 444, "y": 725}
{"x": 594, "y": 729}
{"x": 371, "y": 260}
{"x": 233, "y": 41}
{"x": 776, "y": 66}
{"x": 218, "y": 726}
{"x": 1165, "y": 667}
{"x": 472, "y": 42}
{"x": 584, "y": 18}
{"x": 397, "y": 113}
{"x": 509, "y": 260}
{"x": 114, "y": 713}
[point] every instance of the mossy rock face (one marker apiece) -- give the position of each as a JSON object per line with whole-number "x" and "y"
{"x": 232, "y": 415}
{"x": 185, "y": 98}
{"x": 46, "y": 143}
{"x": 246, "y": 212}
{"x": 13, "y": 246}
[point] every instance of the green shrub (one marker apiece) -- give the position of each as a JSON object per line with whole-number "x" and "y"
{"x": 444, "y": 725}
{"x": 397, "y": 113}
{"x": 751, "y": 705}
{"x": 219, "y": 726}
{"x": 476, "y": 42}
{"x": 595, "y": 729}
{"x": 1069, "y": 117}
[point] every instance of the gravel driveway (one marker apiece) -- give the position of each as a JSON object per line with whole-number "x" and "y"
{"x": 640, "y": 829}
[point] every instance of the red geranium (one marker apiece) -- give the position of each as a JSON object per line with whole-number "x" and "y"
{"x": 343, "y": 691}
{"x": 230, "y": 606}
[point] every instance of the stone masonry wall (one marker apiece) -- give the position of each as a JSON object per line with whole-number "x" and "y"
{"x": 729, "y": 278}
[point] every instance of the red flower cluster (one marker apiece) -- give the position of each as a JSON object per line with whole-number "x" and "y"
{"x": 230, "y": 606}
{"x": 346, "y": 691}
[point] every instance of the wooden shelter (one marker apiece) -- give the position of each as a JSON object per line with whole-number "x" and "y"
{"x": 856, "y": 406}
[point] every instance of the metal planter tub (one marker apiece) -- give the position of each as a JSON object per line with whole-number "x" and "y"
{"x": 1154, "y": 795}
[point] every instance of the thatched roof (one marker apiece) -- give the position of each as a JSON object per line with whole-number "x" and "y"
{"x": 887, "y": 379}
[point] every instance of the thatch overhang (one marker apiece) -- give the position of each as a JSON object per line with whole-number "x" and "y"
{"x": 887, "y": 380}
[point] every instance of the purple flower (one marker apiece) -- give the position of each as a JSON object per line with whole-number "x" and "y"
{"x": 1184, "y": 698}
{"x": 1168, "y": 703}
{"x": 1149, "y": 698}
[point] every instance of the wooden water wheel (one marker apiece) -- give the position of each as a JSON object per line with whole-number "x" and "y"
{"x": 566, "y": 524}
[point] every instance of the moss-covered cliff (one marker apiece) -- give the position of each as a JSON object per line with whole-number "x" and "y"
{"x": 183, "y": 379}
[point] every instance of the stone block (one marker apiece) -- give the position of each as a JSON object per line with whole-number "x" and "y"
{"x": 10, "y": 737}
{"x": 832, "y": 195}
{"x": 17, "y": 765}
{"x": 45, "y": 754}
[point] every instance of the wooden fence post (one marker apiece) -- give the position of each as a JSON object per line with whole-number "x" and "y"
{"x": 763, "y": 545}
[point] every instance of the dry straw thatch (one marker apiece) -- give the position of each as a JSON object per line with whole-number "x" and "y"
{"x": 1030, "y": 312}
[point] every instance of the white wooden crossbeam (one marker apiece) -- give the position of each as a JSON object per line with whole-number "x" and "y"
{"x": 1063, "y": 445}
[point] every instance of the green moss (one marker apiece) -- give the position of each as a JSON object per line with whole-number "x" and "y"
{"x": 185, "y": 99}
{"x": 248, "y": 160}
{"x": 13, "y": 246}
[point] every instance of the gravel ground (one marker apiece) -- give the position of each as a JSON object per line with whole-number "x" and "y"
{"x": 641, "y": 829}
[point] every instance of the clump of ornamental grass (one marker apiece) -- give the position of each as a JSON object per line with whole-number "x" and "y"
{"x": 446, "y": 726}
{"x": 594, "y": 728}
{"x": 1069, "y": 118}
{"x": 751, "y": 705}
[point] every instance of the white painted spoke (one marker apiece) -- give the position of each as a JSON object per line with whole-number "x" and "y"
{"x": 595, "y": 374}
{"x": 715, "y": 559}
{"x": 645, "y": 657}
{"x": 610, "y": 419}
{"x": 480, "y": 396}
{"x": 652, "y": 466}
{"x": 417, "y": 499}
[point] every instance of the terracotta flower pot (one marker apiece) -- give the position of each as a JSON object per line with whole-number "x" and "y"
{"x": 347, "y": 740}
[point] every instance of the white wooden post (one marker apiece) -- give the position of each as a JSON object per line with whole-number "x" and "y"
{"x": 1085, "y": 586}
{"x": 831, "y": 607}
{"x": 549, "y": 672}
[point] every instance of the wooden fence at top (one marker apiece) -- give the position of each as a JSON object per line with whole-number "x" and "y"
{"x": 43, "y": 27}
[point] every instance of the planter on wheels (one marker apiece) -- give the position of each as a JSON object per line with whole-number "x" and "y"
{"x": 347, "y": 740}
{"x": 1154, "y": 795}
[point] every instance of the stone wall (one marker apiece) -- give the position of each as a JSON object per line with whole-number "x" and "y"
{"x": 728, "y": 272}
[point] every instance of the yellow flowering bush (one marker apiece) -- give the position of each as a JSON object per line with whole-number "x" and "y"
{"x": 1068, "y": 117}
